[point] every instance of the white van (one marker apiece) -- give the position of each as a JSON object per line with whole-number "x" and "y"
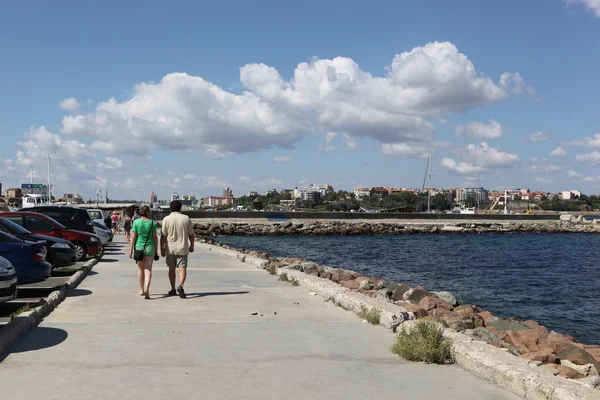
{"x": 97, "y": 215}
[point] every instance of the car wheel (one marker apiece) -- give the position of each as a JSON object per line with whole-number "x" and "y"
{"x": 80, "y": 252}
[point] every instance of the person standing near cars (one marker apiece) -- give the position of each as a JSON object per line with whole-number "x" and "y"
{"x": 143, "y": 237}
{"x": 176, "y": 242}
{"x": 114, "y": 219}
{"x": 127, "y": 227}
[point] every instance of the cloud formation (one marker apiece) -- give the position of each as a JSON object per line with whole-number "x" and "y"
{"x": 281, "y": 159}
{"x": 492, "y": 130}
{"x": 538, "y": 137}
{"x": 71, "y": 104}
{"x": 558, "y": 152}
{"x": 592, "y": 5}
{"x": 462, "y": 168}
{"x": 188, "y": 113}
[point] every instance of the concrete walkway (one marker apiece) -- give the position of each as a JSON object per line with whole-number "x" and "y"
{"x": 106, "y": 342}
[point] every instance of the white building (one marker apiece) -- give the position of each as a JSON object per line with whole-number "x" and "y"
{"x": 304, "y": 192}
{"x": 479, "y": 195}
{"x": 174, "y": 196}
{"x": 362, "y": 192}
{"x": 571, "y": 195}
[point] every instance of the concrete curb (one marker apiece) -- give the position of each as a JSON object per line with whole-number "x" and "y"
{"x": 479, "y": 358}
{"x": 24, "y": 322}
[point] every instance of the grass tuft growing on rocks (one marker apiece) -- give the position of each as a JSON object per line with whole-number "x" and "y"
{"x": 294, "y": 282}
{"x": 20, "y": 311}
{"x": 425, "y": 342}
{"x": 271, "y": 268}
{"x": 283, "y": 277}
{"x": 372, "y": 316}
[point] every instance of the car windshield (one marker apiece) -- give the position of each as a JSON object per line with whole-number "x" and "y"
{"x": 14, "y": 227}
{"x": 95, "y": 214}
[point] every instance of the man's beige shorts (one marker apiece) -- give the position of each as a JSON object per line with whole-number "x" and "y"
{"x": 176, "y": 261}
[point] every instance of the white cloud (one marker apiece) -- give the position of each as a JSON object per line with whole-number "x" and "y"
{"x": 349, "y": 142}
{"x": 492, "y": 130}
{"x": 591, "y": 179}
{"x": 539, "y": 159}
{"x": 543, "y": 180}
{"x": 329, "y": 146}
{"x": 573, "y": 174}
{"x": 281, "y": 159}
{"x": 544, "y": 169}
{"x": 588, "y": 141}
{"x": 461, "y": 167}
{"x": 558, "y": 152}
{"x": 71, "y": 104}
{"x": 592, "y": 5}
{"x": 513, "y": 83}
{"x": 406, "y": 149}
{"x": 590, "y": 158}
{"x": 42, "y": 143}
{"x": 260, "y": 183}
{"x": 488, "y": 157}
{"x": 538, "y": 137}
{"x": 111, "y": 164}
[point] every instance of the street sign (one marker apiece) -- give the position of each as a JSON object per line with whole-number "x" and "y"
{"x": 32, "y": 186}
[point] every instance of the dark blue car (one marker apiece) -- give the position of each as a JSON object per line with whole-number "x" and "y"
{"x": 28, "y": 258}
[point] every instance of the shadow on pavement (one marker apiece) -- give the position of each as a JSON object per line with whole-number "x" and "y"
{"x": 109, "y": 260}
{"x": 78, "y": 292}
{"x": 205, "y": 294}
{"x": 39, "y": 338}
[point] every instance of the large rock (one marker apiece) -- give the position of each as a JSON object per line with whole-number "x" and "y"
{"x": 415, "y": 295}
{"x": 546, "y": 355}
{"x": 461, "y": 321}
{"x": 563, "y": 371}
{"x": 585, "y": 370}
{"x": 365, "y": 284}
{"x": 398, "y": 292}
{"x": 488, "y": 317}
{"x": 339, "y": 275}
{"x": 349, "y": 284}
{"x": 449, "y": 297}
{"x": 428, "y": 303}
{"x": 575, "y": 354}
{"x": 565, "y": 217}
{"x": 528, "y": 340}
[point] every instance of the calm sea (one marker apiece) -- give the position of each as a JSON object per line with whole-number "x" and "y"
{"x": 551, "y": 278}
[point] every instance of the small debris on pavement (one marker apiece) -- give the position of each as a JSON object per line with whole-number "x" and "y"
{"x": 254, "y": 313}
{"x": 312, "y": 294}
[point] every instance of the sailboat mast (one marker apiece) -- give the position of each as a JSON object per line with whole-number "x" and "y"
{"x": 49, "y": 193}
{"x": 429, "y": 190}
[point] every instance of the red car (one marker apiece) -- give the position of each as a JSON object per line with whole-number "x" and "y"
{"x": 86, "y": 244}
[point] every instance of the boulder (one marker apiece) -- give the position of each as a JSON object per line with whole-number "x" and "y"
{"x": 592, "y": 381}
{"x": 428, "y": 303}
{"x": 563, "y": 371}
{"x": 545, "y": 355}
{"x": 349, "y": 284}
{"x": 565, "y": 217}
{"x": 575, "y": 354}
{"x": 415, "y": 295}
{"x": 339, "y": 275}
{"x": 399, "y": 291}
{"x": 415, "y": 309}
{"x": 365, "y": 284}
{"x": 451, "y": 229}
{"x": 460, "y": 321}
{"x": 528, "y": 340}
{"x": 487, "y": 317}
{"x": 449, "y": 297}
{"x": 493, "y": 339}
{"x": 585, "y": 370}
{"x": 438, "y": 312}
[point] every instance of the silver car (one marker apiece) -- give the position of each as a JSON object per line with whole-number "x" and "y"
{"x": 8, "y": 281}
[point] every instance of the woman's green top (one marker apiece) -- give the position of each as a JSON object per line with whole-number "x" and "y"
{"x": 144, "y": 229}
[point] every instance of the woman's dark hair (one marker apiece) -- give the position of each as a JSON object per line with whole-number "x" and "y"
{"x": 145, "y": 211}
{"x": 175, "y": 205}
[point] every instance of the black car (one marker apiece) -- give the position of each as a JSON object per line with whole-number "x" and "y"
{"x": 69, "y": 216}
{"x": 59, "y": 252}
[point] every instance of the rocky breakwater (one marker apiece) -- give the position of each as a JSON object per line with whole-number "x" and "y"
{"x": 558, "y": 353}
{"x": 332, "y": 228}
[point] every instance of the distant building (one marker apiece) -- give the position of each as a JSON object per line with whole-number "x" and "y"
{"x": 472, "y": 195}
{"x": 252, "y": 194}
{"x": 379, "y": 191}
{"x": 174, "y": 196}
{"x": 286, "y": 192}
{"x": 272, "y": 191}
{"x": 153, "y": 198}
{"x": 216, "y": 201}
{"x": 570, "y": 195}
{"x": 288, "y": 203}
{"x": 362, "y": 192}
{"x": 227, "y": 192}
{"x": 14, "y": 193}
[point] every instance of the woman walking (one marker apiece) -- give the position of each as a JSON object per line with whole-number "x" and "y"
{"x": 127, "y": 228}
{"x": 145, "y": 240}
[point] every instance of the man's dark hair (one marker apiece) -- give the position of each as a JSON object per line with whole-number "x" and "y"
{"x": 175, "y": 205}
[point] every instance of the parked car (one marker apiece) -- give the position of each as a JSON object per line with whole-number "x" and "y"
{"x": 8, "y": 281}
{"x": 59, "y": 252}
{"x": 86, "y": 244}
{"x": 28, "y": 258}
{"x": 98, "y": 216}
{"x": 105, "y": 234}
{"x": 69, "y": 216}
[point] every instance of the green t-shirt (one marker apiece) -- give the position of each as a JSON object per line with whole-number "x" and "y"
{"x": 144, "y": 229}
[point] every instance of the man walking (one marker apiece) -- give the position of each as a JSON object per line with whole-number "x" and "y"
{"x": 176, "y": 242}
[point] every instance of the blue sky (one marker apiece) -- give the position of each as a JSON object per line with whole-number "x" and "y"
{"x": 193, "y": 96}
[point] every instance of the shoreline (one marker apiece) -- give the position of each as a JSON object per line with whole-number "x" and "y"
{"x": 327, "y": 227}
{"x": 528, "y": 341}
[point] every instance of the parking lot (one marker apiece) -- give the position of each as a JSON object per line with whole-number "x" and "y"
{"x": 34, "y": 294}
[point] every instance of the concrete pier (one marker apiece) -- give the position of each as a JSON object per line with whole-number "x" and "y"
{"x": 240, "y": 334}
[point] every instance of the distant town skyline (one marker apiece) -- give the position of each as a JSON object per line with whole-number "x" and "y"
{"x": 505, "y": 95}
